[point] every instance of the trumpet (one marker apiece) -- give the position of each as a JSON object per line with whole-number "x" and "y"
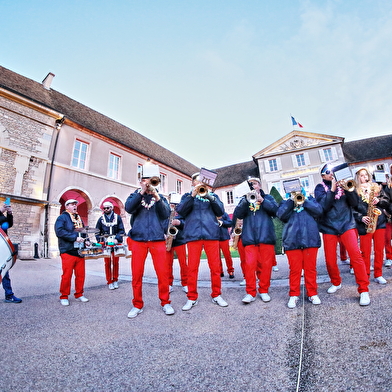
{"x": 251, "y": 197}
{"x": 201, "y": 190}
{"x": 154, "y": 181}
{"x": 348, "y": 185}
{"x": 298, "y": 198}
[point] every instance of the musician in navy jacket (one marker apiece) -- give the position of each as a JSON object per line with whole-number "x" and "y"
{"x": 224, "y": 243}
{"x": 201, "y": 230}
{"x": 337, "y": 222}
{"x": 111, "y": 228}
{"x": 149, "y": 211}
{"x": 258, "y": 238}
{"x": 301, "y": 240}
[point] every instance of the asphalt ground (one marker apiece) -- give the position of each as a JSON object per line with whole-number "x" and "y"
{"x": 335, "y": 346}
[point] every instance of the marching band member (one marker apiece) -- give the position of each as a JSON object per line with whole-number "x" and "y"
{"x": 176, "y": 244}
{"x": 387, "y": 188}
{"x": 224, "y": 238}
{"x": 149, "y": 210}
{"x": 258, "y": 237}
{"x": 337, "y": 222}
{"x": 201, "y": 230}
{"x": 371, "y": 222}
{"x": 71, "y": 261}
{"x": 6, "y": 222}
{"x": 301, "y": 240}
{"x": 111, "y": 228}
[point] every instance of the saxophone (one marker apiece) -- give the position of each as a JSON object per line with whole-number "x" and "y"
{"x": 237, "y": 233}
{"x": 373, "y": 212}
{"x": 171, "y": 231}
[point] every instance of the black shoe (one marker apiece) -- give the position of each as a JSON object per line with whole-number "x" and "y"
{"x": 13, "y": 299}
{"x": 231, "y": 276}
{"x": 222, "y": 274}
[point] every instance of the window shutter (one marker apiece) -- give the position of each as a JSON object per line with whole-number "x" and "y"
{"x": 267, "y": 166}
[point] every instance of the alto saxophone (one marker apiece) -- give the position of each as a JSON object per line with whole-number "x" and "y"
{"x": 237, "y": 233}
{"x": 171, "y": 231}
{"x": 373, "y": 212}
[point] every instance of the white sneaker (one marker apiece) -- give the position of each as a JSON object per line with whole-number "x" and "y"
{"x": 168, "y": 309}
{"x": 388, "y": 263}
{"x": 371, "y": 268}
{"x": 265, "y": 297}
{"x": 380, "y": 280}
{"x": 220, "y": 301}
{"x": 292, "y": 302}
{"x": 82, "y": 299}
{"x": 334, "y": 289}
{"x": 170, "y": 289}
{"x": 315, "y": 300}
{"x": 248, "y": 299}
{"x": 346, "y": 262}
{"x": 111, "y": 286}
{"x": 189, "y": 305}
{"x": 115, "y": 285}
{"x": 275, "y": 268}
{"x": 243, "y": 283}
{"x": 364, "y": 300}
{"x": 64, "y": 302}
{"x": 352, "y": 271}
{"x": 134, "y": 312}
{"x": 185, "y": 289}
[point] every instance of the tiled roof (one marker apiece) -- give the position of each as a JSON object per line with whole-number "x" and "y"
{"x": 373, "y": 148}
{"x": 92, "y": 120}
{"x": 235, "y": 174}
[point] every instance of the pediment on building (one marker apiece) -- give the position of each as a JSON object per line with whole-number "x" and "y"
{"x": 297, "y": 140}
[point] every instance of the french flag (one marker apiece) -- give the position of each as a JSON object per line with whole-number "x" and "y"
{"x": 296, "y": 122}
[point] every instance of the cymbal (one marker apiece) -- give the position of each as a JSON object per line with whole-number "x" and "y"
{"x": 87, "y": 230}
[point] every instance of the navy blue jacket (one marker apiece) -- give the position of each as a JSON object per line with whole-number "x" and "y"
{"x": 65, "y": 231}
{"x": 147, "y": 224}
{"x": 200, "y": 217}
{"x": 300, "y": 230}
{"x": 224, "y": 234}
{"x": 258, "y": 227}
{"x": 338, "y": 214}
{"x": 117, "y": 229}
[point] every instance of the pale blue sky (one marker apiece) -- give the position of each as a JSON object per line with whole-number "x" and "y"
{"x": 213, "y": 81}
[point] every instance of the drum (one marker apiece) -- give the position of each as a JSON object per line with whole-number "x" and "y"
{"x": 91, "y": 251}
{"x": 7, "y": 254}
{"x": 107, "y": 251}
{"x": 119, "y": 250}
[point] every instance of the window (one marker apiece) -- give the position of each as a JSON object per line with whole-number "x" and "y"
{"x": 114, "y": 166}
{"x": 230, "y": 198}
{"x": 300, "y": 159}
{"x": 79, "y": 155}
{"x": 327, "y": 154}
{"x": 163, "y": 182}
{"x": 139, "y": 172}
{"x": 273, "y": 165}
{"x": 179, "y": 187}
{"x": 305, "y": 183}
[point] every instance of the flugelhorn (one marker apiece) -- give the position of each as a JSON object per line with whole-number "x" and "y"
{"x": 298, "y": 198}
{"x": 348, "y": 185}
{"x": 201, "y": 190}
{"x": 251, "y": 197}
{"x": 154, "y": 181}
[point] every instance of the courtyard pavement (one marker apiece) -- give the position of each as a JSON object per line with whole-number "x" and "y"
{"x": 336, "y": 346}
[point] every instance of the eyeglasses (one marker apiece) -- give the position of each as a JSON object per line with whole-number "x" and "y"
{"x": 107, "y": 208}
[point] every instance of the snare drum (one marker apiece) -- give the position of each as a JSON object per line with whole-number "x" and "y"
{"x": 119, "y": 250}
{"x": 107, "y": 251}
{"x": 7, "y": 254}
{"x": 91, "y": 251}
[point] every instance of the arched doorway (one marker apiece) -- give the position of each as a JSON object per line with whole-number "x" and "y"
{"x": 82, "y": 203}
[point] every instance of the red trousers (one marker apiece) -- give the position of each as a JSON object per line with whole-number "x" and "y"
{"x": 350, "y": 242}
{"x": 157, "y": 250}
{"x": 181, "y": 255}
{"x": 211, "y": 248}
{"x": 388, "y": 236}
{"x": 258, "y": 259}
{"x": 71, "y": 264}
{"x": 365, "y": 241}
{"x": 303, "y": 259}
{"x": 225, "y": 248}
{"x": 111, "y": 268}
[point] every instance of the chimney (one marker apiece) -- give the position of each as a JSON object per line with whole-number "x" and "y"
{"x": 48, "y": 80}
